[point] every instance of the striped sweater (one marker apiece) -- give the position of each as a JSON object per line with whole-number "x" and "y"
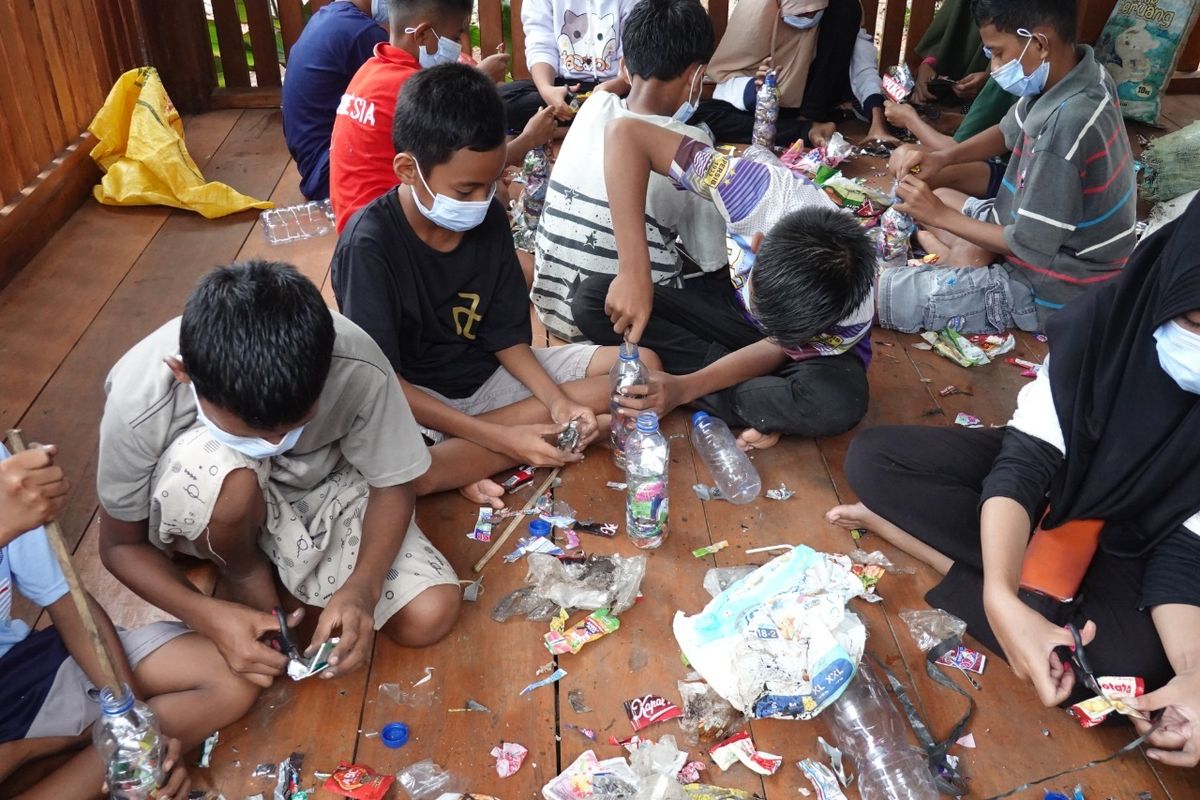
{"x": 1068, "y": 199}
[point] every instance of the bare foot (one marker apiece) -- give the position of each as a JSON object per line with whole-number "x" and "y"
{"x": 853, "y": 517}
{"x": 751, "y": 439}
{"x": 484, "y": 493}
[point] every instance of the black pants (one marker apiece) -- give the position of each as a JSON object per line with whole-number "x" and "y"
{"x": 729, "y": 123}
{"x": 694, "y": 326}
{"x": 522, "y": 100}
{"x": 927, "y": 481}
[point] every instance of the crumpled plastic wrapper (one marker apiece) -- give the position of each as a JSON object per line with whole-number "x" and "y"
{"x": 657, "y": 767}
{"x": 527, "y": 210}
{"x": 898, "y": 83}
{"x": 707, "y": 717}
{"x": 589, "y": 778}
{"x": 780, "y": 642}
{"x": 426, "y": 780}
{"x": 931, "y": 627}
{"x": 509, "y": 758}
{"x": 610, "y": 582}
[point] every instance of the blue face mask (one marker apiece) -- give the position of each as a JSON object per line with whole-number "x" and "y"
{"x": 451, "y": 214}
{"x": 379, "y": 11}
{"x": 804, "y": 23}
{"x": 448, "y": 51}
{"x": 1011, "y": 77}
{"x": 250, "y": 446}
{"x": 1179, "y": 355}
{"x": 688, "y": 109}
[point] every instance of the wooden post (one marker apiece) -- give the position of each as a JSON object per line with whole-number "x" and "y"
{"x": 108, "y": 672}
{"x": 179, "y": 48}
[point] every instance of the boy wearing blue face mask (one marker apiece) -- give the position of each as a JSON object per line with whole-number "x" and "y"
{"x": 424, "y": 33}
{"x": 263, "y": 433}
{"x": 430, "y": 272}
{"x": 667, "y": 43}
{"x": 1064, "y": 217}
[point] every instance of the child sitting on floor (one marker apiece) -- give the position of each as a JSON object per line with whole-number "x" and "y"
{"x": 430, "y": 271}
{"x": 266, "y": 434}
{"x": 1064, "y": 218}
{"x": 667, "y": 43}
{"x": 48, "y": 677}
{"x": 784, "y": 350}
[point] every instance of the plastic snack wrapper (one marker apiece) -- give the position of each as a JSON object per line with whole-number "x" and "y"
{"x": 740, "y": 747}
{"x": 895, "y": 229}
{"x": 1139, "y": 47}
{"x": 527, "y": 210}
{"x": 610, "y": 582}
{"x": 703, "y": 791}
{"x": 589, "y": 778}
{"x": 483, "y": 525}
{"x": 951, "y": 344}
{"x": 779, "y": 642}
{"x": 509, "y": 758}
{"x": 595, "y": 625}
{"x": 823, "y": 780}
{"x": 963, "y": 658}
{"x": 300, "y": 668}
{"x": 357, "y": 781}
{"x": 931, "y": 627}
{"x": 426, "y": 780}
{"x": 898, "y": 83}
{"x": 1094, "y": 710}
{"x": 650, "y": 709}
{"x": 287, "y": 780}
{"x": 707, "y": 717}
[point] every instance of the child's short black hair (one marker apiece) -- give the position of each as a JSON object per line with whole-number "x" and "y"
{"x": 662, "y": 38}
{"x": 814, "y": 268}
{"x": 257, "y": 340}
{"x": 400, "y": 11}
{"x": 446, "y": 108}
{"x": 1007, "y": 16}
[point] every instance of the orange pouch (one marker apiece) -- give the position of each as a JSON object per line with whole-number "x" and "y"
{"x": 1056, "y": 560}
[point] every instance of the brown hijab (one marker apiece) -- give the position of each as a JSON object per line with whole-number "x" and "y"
{"x": 756, "y": 30}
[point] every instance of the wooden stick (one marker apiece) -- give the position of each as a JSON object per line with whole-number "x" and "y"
{"x": 16, "y": 443}
{"x": 512, "y": 525}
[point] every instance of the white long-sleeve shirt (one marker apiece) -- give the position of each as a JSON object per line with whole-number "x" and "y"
{"x": 864, "y": 76}
{"x": 581, "y": 39}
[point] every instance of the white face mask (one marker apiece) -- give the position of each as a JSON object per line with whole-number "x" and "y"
{"x": 1011, "y": 76}
{"x": 1179, "y": 355}
{"x": 448, "y": 51}
{"x": 451, "y": 214}
{"x": 250, "y": 446}
{"x": 804, "y": 23}
{"x": 688, "y": 109}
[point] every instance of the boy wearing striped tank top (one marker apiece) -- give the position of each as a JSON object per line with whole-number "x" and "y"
{"x": 1064, "y": 218}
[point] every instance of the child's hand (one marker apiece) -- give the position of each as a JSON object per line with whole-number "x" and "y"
{"x": 177, "y": 782}
{"x": 349, "y": 615}
{"x": 664, "y": 393}
{"x": 971, "y": 85}
{"x": 237, "y": 631}
{"x": 921, "y": 93}
{"x": 919, "y": 202}
{"x": 556, "y": 99}
{"x": 32, "y": 491}
{"x": 902, "y": 115}
{"x": 628, "y": 304}
{"x": 1177, "y": 740}
{"x": 565, "y": 409}
{"x": 918, "y": 161}
{"x": 761, "y": 74}
{"x": 536, "y": 445}
{"x": 495, "y": 66}
{"x": 820, "y": 133}
{"x": 541, "y": 127}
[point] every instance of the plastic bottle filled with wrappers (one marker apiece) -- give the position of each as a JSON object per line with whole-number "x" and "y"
{"x": 766, "y": 113}
{"x": 127, "y": 738}
{"x": 731, "y": 469}
{"x": 870, "y": 730}
{"x": 627, "y": 372}
{"x": 646, "y": 460}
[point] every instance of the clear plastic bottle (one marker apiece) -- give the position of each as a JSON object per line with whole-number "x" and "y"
{"x": 628, "y": 371}
{"x": 127, "y": 738}
{"x": 646, "y": 502}
{"x": 766, "y": 113}
{"x": 731, "y": 469}
{"x": 870, "y": 730}
{"x": 297, "y": 223}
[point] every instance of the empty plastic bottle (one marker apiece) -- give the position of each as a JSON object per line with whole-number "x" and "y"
{"x": 646, "y": 502}
{"x": 298, "y": 222}
{"x": 628, "y": 371}
{"x": 766, "y": 113}
{"x": 870, "y": 730}
{"x": 127, "y": 738}
{"x": 731, "y": 469}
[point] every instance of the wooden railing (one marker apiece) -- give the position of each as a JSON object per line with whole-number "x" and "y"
{"x": 57, "y": 63}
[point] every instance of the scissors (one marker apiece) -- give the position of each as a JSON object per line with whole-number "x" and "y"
{"x": 1079, "y": 660}
{"x": 286, "y": 644}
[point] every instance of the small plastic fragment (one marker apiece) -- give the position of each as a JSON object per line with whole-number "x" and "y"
{"x": 947, "y": 391}
{"x": 931, "y": 627}
{"x": 606, "y": 529}
{"x": 835, "y": 761}
{"x": 690, "y": 772}
{"x": 707, "y": 492}
{"x": 968, "y": 420}
{"x": 587, "y": 733}
{"x": 578, "y": 704}
{"x": 533, "y": 544}
{"x": 422, "y": 681}
{"x": 473, "y": 589}
{"x": 264, "y": 771}
{"x": 419, "y": 699}
{"x": 425, "y": 780}
{"x": 206, "y": 750}
{"x": 509, "y": 758}
{"x": 618, "y": 485}
{"x": 780, "y": 493}
{"x": 715, "y": 547}
{"x": 557, "y": 675}
{"x": 967, "y": 741}
{"x": 823, "y": 780}
{"x": 545, "y": 669}
{"x": 568, "y": 438}
{"x": 740, "y": 747}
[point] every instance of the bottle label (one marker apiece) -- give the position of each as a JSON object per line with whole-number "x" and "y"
{"x": 647, "y": 507}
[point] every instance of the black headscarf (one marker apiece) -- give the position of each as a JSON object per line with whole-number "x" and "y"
{"x": 1132, "y": 435}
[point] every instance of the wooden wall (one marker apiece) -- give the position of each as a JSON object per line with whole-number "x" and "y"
{"x": 57, "y": 62}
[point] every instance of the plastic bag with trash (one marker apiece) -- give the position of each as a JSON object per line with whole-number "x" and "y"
{"x": 780, "y": 642}
{"x": 1139, "y": 46}
{"x": 657, "y": 767}
{"x": 610, "y": 582}
{"x": 931, "y": 627}
{"x": 707, "y": 717}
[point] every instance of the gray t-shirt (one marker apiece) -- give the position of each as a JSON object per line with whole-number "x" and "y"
{"x": 362, "y": 418}
{"x": 1068, "y": 200}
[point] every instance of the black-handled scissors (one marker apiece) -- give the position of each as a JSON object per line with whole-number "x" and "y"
{"x": 287, "y": 645}
{"x": 1079, "y": 660}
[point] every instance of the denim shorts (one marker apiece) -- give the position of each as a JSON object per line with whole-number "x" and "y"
{"x": 968, "y": 299}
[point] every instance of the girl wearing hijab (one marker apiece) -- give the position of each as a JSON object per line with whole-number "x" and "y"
{"x": 1109, "y": 430}
{"x": 822, "y": 59}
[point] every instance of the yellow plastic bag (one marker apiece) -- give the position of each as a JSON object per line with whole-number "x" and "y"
{"x": 143, "y": 155}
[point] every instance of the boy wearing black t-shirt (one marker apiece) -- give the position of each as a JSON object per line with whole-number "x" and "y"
{"x": 430, "y": 272}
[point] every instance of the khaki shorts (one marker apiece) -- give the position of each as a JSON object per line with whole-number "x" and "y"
{"x": 312, "y": 536}
{"x": 565, "y": 363}
{"x": 73, "y": 702}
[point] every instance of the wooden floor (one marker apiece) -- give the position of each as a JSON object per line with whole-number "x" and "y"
{"x": 112, "y": 275}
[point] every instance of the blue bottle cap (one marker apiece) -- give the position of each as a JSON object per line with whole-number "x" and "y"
{"x": 539, "y": 527}
{"x": 699, "y": 415}
{"x": 394, "y": 735}
{"x": 647, "y": 422}
{"x": 1055, "y": 796}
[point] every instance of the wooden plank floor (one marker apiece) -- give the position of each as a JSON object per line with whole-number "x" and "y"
{"x": 112, "y": 275}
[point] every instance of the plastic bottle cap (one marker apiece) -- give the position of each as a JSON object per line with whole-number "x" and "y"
{"x": 539, "y": 527}
{"x": 628, "y": 352}
{"x": 698, "y": 416}
{"x": 394, "y": 735}
{"x": 647, "y": 422}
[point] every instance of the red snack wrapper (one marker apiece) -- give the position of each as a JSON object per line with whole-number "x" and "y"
{"x": 358, "y": 781}
{"x": 1094, "y": 710}
{"x": 649, "y": 709}
{"x": 964, "y": 658}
